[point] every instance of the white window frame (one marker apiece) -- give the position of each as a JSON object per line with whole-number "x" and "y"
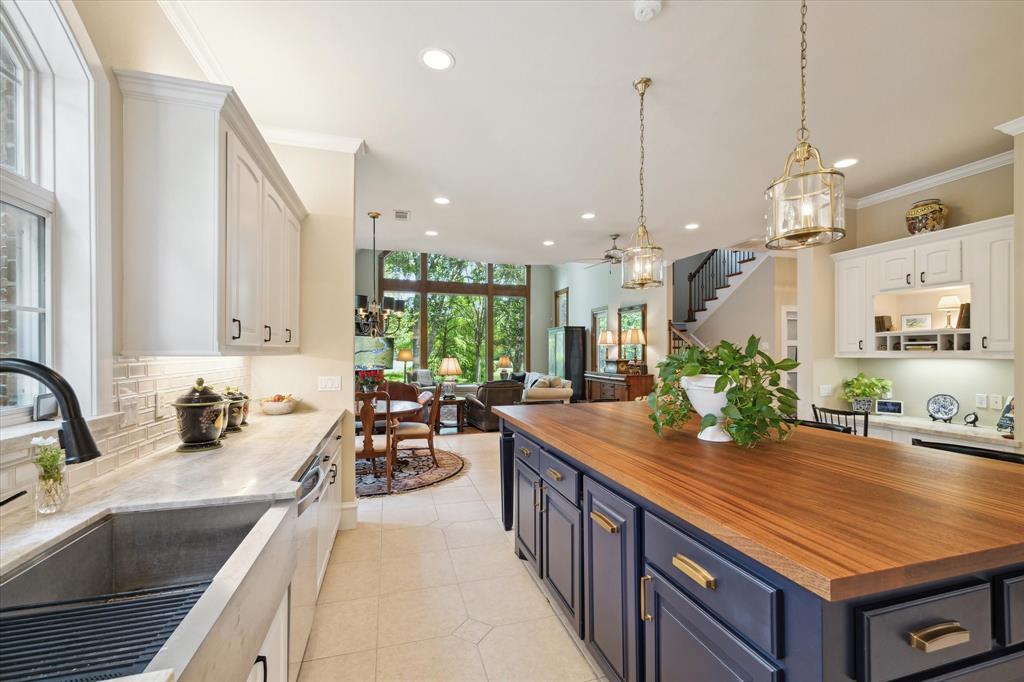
{"x": 29, "y": 102}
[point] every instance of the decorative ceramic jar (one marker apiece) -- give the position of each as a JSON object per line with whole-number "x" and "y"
{"x": 236, "y": 408}
{"x": 202, "y": 418}
{"x": 928, "y": 215}
{"x": 52, "y": 490}
{"x": 700, "y": 389}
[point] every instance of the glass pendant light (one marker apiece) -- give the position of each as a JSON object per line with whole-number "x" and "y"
{"x": 807, "y": 203}
{"x": 643, "y": 263}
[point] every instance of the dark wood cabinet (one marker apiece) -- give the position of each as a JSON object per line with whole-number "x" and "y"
{"x": 567, "y": 356}
{"x": 561, "y": 525}
{"x": 602, "y": 386}
{"x": 527, "y": 516}
{"x": 610, "y": 581}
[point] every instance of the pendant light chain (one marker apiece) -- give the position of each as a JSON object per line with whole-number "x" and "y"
{"x": 643, "y": 218}
{"x": 803, "y": 133}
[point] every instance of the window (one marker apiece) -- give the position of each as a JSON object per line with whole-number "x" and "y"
{"x": 14, "y": 75}
{"x": 598, "y": 351}
{"x": 457, "y": 328}
{"x": 562, "y": 307}
{"x": 448, "y": 269}
{"x": 510, "y": 274}
{"x": 509, "y": 333}
{"x": 407, "y": 334}
{"x": 401, "y": 265}
{"x": 632, "y": 317}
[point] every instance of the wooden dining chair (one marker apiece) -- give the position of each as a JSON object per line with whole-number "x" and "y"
{"x": 827, "y": 415}
{"x": 419, "y": 430}
{"x": 367, "y": 449}
{"x": 824, "y": 426}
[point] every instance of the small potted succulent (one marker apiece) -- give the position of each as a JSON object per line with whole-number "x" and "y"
{"x": 736, "y": 391}
{"x": 862, "y": 391}
{"x": 52, "y": 491}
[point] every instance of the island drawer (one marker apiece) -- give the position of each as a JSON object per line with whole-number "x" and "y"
{"x": 560, "y": 476}
{"x": 1009, "y": 604}
{"x": 741, "y": 599}
{"x": 910, "y": 637}
{"x": 527, "y": 451}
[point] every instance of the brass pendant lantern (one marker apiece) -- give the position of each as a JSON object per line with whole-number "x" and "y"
{"x": 643, "y": 263}
{"x": 807, "y": 203}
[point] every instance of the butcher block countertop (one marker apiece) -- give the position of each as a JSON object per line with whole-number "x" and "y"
{"x": 843, "y": 516}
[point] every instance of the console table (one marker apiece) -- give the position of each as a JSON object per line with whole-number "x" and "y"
{"x": 602, "y": 386}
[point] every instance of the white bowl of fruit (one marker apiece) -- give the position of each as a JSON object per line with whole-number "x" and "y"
{"x": 279, "y": 404}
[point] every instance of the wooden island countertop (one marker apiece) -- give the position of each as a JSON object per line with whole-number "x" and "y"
{"x": 842, "y": 516}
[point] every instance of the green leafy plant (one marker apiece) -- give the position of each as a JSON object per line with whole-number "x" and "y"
{"x": 757, "y": 404}
{"x": 50, "y": 460}
{"x": 864, "y": 387}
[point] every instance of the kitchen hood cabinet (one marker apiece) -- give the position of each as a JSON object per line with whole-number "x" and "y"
{"x": 211, "y": 225}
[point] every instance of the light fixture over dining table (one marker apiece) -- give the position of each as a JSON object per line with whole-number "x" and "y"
{"x": 643, "y": 263}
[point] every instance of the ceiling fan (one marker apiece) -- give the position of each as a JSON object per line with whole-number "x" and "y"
{"x": 612, "y": 256}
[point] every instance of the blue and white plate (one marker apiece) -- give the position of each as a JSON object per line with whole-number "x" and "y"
{"x": 943, "y": 406}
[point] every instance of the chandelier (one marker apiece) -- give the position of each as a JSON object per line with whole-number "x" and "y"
{"x": 379, "y": 317}
{"x": 806, "y": 204}
{"x": 643, "y": 263}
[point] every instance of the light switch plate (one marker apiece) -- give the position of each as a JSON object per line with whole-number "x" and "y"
{"x": 825, "y": 390}
{"x": 328, "y": 383}
{"x": 980, "y": 400}
{"x": 995, "y": 401}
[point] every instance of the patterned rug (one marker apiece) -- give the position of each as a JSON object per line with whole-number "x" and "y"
{"x": 415, "y": 469}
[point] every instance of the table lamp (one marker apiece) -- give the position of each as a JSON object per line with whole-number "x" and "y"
{"x": 449, "y": 368}
{"x": 505, "y": 365}
{"x": 633, "y": 337}
{"x": 949, "y": 304}
{"x": 405, "y": 355}
{"x": 606, "y": 338}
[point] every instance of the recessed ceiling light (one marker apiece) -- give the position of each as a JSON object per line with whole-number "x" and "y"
{"x": 588, "y": 216}
{"x": 441, "y": 201}
{"x": 691, "y": 226}
{"x": 431, "y": 233}
{"x": 437, "y": 59}
{"x": 548, "y": 242}
{"x": 845, "y": 163}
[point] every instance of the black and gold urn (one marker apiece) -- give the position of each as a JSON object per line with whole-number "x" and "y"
{"x": 236, "y": 408}
{"x": 202, "y": 418}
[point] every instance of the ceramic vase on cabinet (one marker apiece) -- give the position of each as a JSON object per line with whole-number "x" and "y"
{"x": 700, "y": 389}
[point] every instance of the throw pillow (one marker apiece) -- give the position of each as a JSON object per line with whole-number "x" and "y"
{"x": 555, "y": 382}
{"x": 542, "y": 382}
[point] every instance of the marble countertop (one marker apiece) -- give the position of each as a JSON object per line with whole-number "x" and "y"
{"x": 257, "y": 464}
{"x": 979, "y": 434}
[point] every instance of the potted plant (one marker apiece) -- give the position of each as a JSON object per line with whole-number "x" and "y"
{"x": 737, "y": 392}
{"x": 861, "y": 391}
{"x": 52, "y": 490}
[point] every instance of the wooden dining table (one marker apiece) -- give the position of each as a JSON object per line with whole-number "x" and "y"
{"x": 400, "y": 409}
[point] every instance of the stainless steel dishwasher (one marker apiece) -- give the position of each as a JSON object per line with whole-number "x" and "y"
{"x": 302, "y": 600}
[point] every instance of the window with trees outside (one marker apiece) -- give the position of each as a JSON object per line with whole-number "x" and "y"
{"x": 475, "y": 312}
{"x": 632, "y": 317}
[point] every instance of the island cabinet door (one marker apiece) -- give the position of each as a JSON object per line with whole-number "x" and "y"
{"x": 610, "y": 566}
{"x": 561, "y": 527}
{"x": 684, "y": 643}
{"x": 527, "y": 516}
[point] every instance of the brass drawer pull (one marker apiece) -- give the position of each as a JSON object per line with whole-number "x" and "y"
{"x": 603, "y": 521}
{"x": 695, "y": 572}
{"x": 939, "y": 636}
{"x": 535, "y": 489}
{"x": 525, "y": 452}
{"x": 555, "y": 474}
{"x": 643, "y": 598}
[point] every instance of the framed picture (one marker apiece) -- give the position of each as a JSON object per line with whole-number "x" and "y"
{"x": 912, "y": 322}
{"x": 1006, "y": 418}
{"x": 883, "y": 406}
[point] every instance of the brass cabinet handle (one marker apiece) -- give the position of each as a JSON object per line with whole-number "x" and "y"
{"x": 540, "y": 488}
{"x": 554, "y": 474}
{"x": 535, "y": 505}
{"x": 643, "y": 598}
{"x": 604, "y": 522}
{"x": 695, "y": 572}
{"x": 525, "y": 452}
{"x": 939, "y": 636}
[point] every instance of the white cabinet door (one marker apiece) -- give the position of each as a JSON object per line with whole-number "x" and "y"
{"x": 328, "y": 515}
{"x": 896, "y": 270}
{"x": 243, "y": 309}
{"x": 272, "y": 661}
{"x": 293, "y": 258}
{"x": 275, "y": 288}
{"x": 992, "y": 299}
{"x": 939, "y": 263}
{"x": 851, "y": 307}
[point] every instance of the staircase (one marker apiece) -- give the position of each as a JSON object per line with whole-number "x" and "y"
{"x": 679, "y": 338}
{"x": 712, "y": 274}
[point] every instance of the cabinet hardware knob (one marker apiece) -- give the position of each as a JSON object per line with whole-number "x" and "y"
{"x": 922, "y": 277}
{"x": 238, "y": 328}
{"x": 334, "y": 473}
{"x": 643, "y": 598}
{"x": 604, "y": 522}
{"x": 288, "y": 339}
{"x": 270, "y": 333}
{"x": 984, "y": 342}
{"x": 695, "y": 572}
{"x": 908, "y": 279}
{"x": 938, "y": 637}
{"x": 525, "y": 452}
{"x": 860, "y": 345}
{"x": 555, "y": 474}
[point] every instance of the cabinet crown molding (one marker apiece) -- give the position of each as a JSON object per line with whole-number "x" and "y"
{"x": 927, "y": 238}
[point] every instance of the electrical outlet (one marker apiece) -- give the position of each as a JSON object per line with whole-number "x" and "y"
{"x": 980, "y": 400}
{"x": 995, "y": 401}
{"x": 825, "y": 390}
{"x": 328, "y": 383}
{"x": 160, "y": 406}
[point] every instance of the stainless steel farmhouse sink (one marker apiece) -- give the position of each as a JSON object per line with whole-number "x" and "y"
{"x": 104, "y": 602}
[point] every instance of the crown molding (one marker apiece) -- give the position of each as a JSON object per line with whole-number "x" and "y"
{"x": 1014, "y": 127}
{"x": 967, "y": 170}
{"x": 185, "y": 26}
{"x": 294, "y": 137}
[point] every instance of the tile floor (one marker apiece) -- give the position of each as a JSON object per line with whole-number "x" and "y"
{"x": 428, "y": 587}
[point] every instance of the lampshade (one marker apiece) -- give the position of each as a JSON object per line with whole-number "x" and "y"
{"x": 450, "y": 367}
{"x": 949, "y": 303}
{"x": 633, "y": 337}
{"x": 606, "y": 338}
{"x": 405, "y": 355}
{"x": 504, "y": 362}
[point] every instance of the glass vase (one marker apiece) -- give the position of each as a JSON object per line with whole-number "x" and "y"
{"x": 52, "y": 493}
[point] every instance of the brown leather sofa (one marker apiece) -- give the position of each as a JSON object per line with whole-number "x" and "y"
{"x": 491, "y": 394}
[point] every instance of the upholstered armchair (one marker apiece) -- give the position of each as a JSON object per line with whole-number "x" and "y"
{"x": 423, "y": 380}
{"x": 491, "y": 394}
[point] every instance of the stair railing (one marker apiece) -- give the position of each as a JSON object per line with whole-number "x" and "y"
{"x": 710, "y": 275}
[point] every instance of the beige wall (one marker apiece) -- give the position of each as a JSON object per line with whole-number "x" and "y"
{"x": 978, "y": 197}
{"x": 1018, "y": 268}
{"x": 541, "y": 312}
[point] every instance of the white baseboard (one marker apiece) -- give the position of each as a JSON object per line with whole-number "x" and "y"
{"x": 349, "y": 517}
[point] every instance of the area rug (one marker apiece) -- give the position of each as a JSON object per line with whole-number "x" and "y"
{"x": 415, "y": 469}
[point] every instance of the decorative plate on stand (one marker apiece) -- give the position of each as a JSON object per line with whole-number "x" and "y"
{"x": 943, "y": 407}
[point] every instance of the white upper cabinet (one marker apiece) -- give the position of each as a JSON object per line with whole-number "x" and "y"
{"x": 210, "y": 266}
{"x": 992, "y": 309}
{"x": 851, "y": 306}
{"x": 896, "y": 270}
{"x": 939, "y": 263}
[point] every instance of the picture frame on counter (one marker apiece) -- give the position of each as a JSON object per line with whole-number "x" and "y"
{"x": 1005, "y": 422}
{"x": 890, "y": 407}
{"x": 915, "y": 321}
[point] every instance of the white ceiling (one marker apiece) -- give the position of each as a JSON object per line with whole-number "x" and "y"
{"x": 537, "y": 122}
